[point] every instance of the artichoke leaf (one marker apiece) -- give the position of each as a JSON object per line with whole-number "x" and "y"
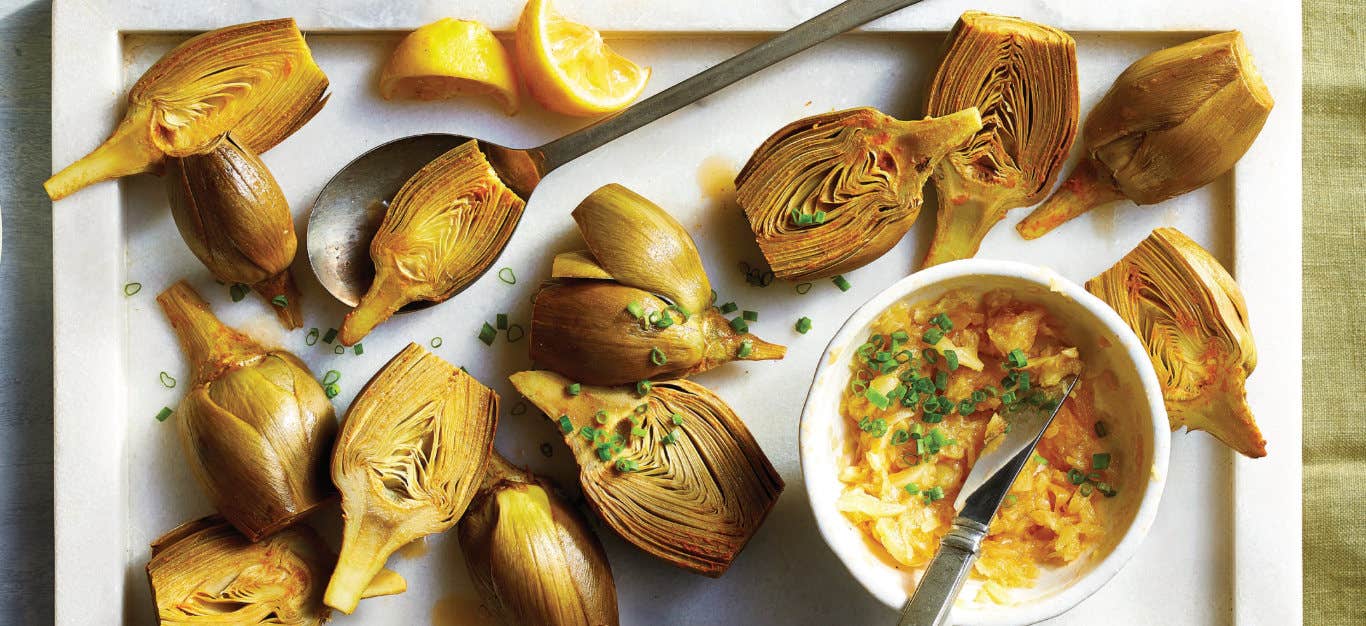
{"x": 691, "y": 490}
{"x": 234, "y": 217}
{"x": 444, "y": 228}
{"x": 1022, "y": 77}
{"x": 577, "y": 264}
{"x": 412, "y": 451}
{"x": 255, "y": 426}
{"x": 532, "y": 557}
{"x": 204, "y": 572}
{"x": 256, "y": 79}
{"x": 1172, "y": 122}
{"x": 1190, "y": 315}
{"x": 830, "y": 193}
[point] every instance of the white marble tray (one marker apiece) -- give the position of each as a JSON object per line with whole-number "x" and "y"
{"x": 1226, "y": 545}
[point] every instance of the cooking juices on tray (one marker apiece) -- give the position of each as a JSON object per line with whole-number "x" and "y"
{"x": 933, "y": 386}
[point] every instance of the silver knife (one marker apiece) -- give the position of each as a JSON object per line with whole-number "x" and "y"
{"x": 985, "y": 487}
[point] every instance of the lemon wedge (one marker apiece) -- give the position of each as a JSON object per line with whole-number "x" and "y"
{"x": 449, "y": 58}
{"x": 568, "y": 68}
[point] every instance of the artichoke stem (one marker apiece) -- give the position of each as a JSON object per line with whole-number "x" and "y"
{"x": 384, "y": 298}
{"x": 762, "y": 350}
{"x": 962, "y": 223}
{"x": 1085, "y": 189}
{"x": 210, "y": 345}
{"x": 127, "y": 151}
{"x": 282, "y": 285}
{"x": 385, "y": 583}
{"x": 363, "y": 554}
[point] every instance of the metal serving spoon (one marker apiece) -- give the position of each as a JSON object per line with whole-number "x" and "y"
{"x": 351, "y": 206}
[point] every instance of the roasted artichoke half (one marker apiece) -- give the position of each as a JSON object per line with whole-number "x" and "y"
{"x": 234, "y": 217}
{"x": 1173, "y": 121}
{"x": 444, "y": 228}
{"x": 1022, "y": 76}
{"x": 532, "y": 557}
{"x": 411, "y": 454}
{"x": 256, "y": 79}
{"x": 830, "y": 193}
{"x": 675, "y": 472}
{"x": 204, "y": 572}
{"x": 256, "y": 426}
{"x": 1190, "y": 315}
{"x": 637, "y": 304}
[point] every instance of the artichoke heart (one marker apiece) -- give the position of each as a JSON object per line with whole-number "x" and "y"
{"x": 830, "y": 193}
{"x": 637, "y": 304}
{"x": 234, "y": 217}
{"x": 676, "y": 472}
{"x": 256, "y": 426}
{"x": 444, "y": 228}
{"x": 1191, "y": 317}
{"x": 532, "y": 557}
{"x": 411, "y": 454}
{"x": 256, "y": 79}
{"x": 204, "y": 572}
{"x": 1173, "y": 121}
{"x": 1022, "y": 76}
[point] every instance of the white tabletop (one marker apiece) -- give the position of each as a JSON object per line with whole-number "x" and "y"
{"x": 25, "y": 316}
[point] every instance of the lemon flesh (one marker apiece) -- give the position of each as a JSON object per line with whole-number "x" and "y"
{"x": 449, "y": 58}
{"x": 569, "y": 69}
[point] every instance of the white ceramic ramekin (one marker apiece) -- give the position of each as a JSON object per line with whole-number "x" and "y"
{"x": 1106, "y": 343}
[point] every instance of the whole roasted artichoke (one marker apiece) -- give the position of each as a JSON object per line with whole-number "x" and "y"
{"x": 637, "y": 304}
{"x": 234, "y": 217}
{"x": 1173, "y": 121}
{"x": 204, "y": 572}
{"x": 256, "y": 426}
{"x": 676, "y": 472}
{"x": 445, "y": 226}
{"x": 1190, "y": 315}
{"x": 412, "y": 452}
{"x": 256, "y": 79}
{"x": 532, "y": 557}
{"x": 1022, "y": 76}
{"x": 830, "y": 193}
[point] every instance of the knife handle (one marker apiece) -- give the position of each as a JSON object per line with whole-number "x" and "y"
{"x": 944, "y": 578}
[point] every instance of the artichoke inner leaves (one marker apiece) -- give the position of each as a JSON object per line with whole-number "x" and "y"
{"x": 177, "y": 114}
{"x": 403, "y": 472}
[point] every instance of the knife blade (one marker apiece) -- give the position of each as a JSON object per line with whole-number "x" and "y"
{"x": 985, "y": 487}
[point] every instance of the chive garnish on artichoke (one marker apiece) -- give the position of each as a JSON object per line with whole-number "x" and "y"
{"x": 861, "y": 170}
{"x": 257, "y": 80}
{"x": 699, "y": 485}
{"x": 1172, "y": 122}
{"x": 638, "y": 292}
{"x": 1022, "y": 76}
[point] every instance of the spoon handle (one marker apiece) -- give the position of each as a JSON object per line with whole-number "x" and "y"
{"x": 943, "y": 579}
{"x": 845, "y": 16}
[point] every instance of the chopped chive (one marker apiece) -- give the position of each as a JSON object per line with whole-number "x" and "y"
{"x": 899, "y": 337}
{"x": 487, "y": 334}
{"x": 676, "y": 418}
{"x": 900, "y": 436}
{"x": 636, "y": 310}
{"x": 713, "y": 297}
{"x": 728, "y": 308}
{"x": 992, "y": 391}
{"x": 746, "y": 349}
{"x": 280, "y": 301}
{"x": 803, "y": 325}
{"x": 573, "y": 389}
{"x": 1100, "y": 461}
{"x": 1106, "y": 490}
{"x": 639, "y": 432}
{"x": 330, "y": 335}
{"x": 312, "y": 337}
{"x": 1008, "y": 397}
{"x": 1085, "y": 490}
{"x": 132, "y": 289}
{"x": 1010, "y": 500}
{"x": 604, "y": 451}
{"x": 966, "y": 407}
{"x": 164, "y": 413}
{"x": 819, "y": 217}
{"x": 934, "y": 494}
{"x": 331, "y": 376}
{"x": 167, "y": 380}
{"x": 841, "y": 282}
{"x": 566, "y": 425}
{"x": 941, "y": 380}
{"x": 643, "y": 387}
{"x": 1023, "y": 381}
{"x": 515, "y": 333}
{"x": 878, "y": 400}
{"x": 942, "y": 321}
{"x": 664, "y": 321}
{"x": 626, "y": 465}
{"x": 930, "y": 355}
{"x": 738, "y": 325}
{"x": 1039, "y": 459}
{"x": 932, "y": 336}
{"x": 912, "y": 488}
{"x": 502, "y": 321}
{"x": 331, "y": 391}
{"x": 1075, "y": 476}
{"x": 803, "y": 288}
{"x": 951, "y": 359}
{"x": 750, "y": 316}
{"x": 436, "y": 342}
{"x": 1017, "y": 359}
{"x": 979, "y": 396}
{"x": 237, "y": 292}
{"x": 588, "y": 432}
{"x": 658, "y": 357}
{"x": 359, "y": 349}
{"x": 1101, "y": 429}
{"x": 339, "y": 349}
{"x": 507, "y": 275}
{"x": 600, "y": 417}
